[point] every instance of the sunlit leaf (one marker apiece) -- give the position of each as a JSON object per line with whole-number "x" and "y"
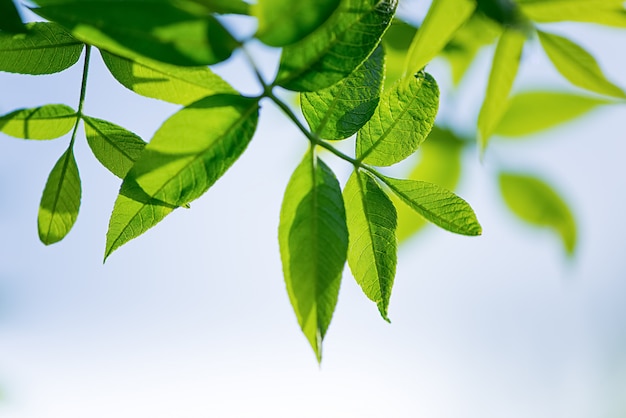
{"x": 372, "y": 253}
{"x": 174, "y": 84}
{"x": 402, "y": 121}
{"x": 44, "y": 122}
{"x": 337, "y": 112}
{"x": 283, "y": 22}
{"x": 336, "y": 48}
{"x": 45, "y": 48}
{"x": 503, "y": 72}
{"x": 437, "y": 205}
{"x": 604, "y": 12}
{"x": 313, "y": 240}
{"x": 10, "y": 20}
{"x": 535, "y": 111}
{"x": 537, "y": 203}
{"x": 60, "y": 201}
{"x": 577, "y": 65}
{"x": 115, "y": 147}
{"x": 190, "y": 151}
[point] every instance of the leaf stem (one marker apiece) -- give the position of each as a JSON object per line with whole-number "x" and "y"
{"x": 83, "y": 92}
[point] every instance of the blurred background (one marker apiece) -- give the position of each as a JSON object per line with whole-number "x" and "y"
{"x": 192, "y": 319}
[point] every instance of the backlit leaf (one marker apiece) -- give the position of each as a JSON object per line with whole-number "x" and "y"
{"x": 60, "y": 201}
{"x": 313, "y": 240}
{"x": 44, "y": 122}
{"x": 336, "y": 48}
{"x": 10, "y": 20}
{"x": 372, "y": 252}
{"x": 337, "y": 112}
{"x": 45, "y": 48}
{"x": 402, "y": 121}
{"x": 604, "y": 12}
{"x": 189, "y": 152}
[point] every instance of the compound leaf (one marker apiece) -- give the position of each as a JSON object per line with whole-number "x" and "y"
{"x": 10, "y": 20}
{"x": 44, "y": 122}
{"x": 313, "y": 240}
{"x": 372, "y": 252}
{"x": 189, "y": 152}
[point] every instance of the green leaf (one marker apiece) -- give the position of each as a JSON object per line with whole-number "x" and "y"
{"x": 439, "y": 163}
{"x": 44, "y": 122}
{"x": 577, "y": 65}
{"x": 603, "y": 12}
{"x": 372, "y": 252}
{"x": 189, "y": 152}
{"x": 535, "y": 111}
{"x": 239, "y": 7}
{"x": 45, "y": 48}
{"x": 172, "y": 32}
{"x": 436, "y": 204}
{"x": 180, "y": 85}
{"x": 60, "y": 201}
{"x": 537, "y": 203}
{"x": 396, "y": 41}
{"x": 313, "y": 239}
{"x": 115, "y": 147}
{"x": 441, "y": 22}
{"x": 283, "y": 22}
{"x": 503, "y": 72}
{"x": 339, "y": 111}
{"x": 10, "y": 20}
{"x": 337, "y": 48}
{"x": 401, "y": 122}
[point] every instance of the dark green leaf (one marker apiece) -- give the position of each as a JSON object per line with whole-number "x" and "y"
{"x": 283, "y": 22}
{"x": 337, "y": 112}
{"x": 504, "y": 12}
{"x": 604, "y": 12}
{"x": 10, "y": 20}
{"x": 337, "y": 48}
{"x": 401, "y": 122}
{"x": 190, "y": 151}
{"x": 60, "y": 201}
{"x": 372, "y": 253}
{"x": 45, "y": 49}
{"x": 239, "y": 7}
{"x": 115, "y": 147}
{"x": 44, "y": 122}
{"x": 313, "y": 239}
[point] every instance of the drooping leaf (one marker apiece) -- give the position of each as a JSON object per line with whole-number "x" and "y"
{"x": 535, "y": 111}
{"x": 577, "y": 65}
{"x": 402, "y": 121}
{"x": 167, "y": 31}
{"x": 60, "y": 201}
{"x": 190, "y": 151}
{"x": 44, "y": 122}
{"x": 336, "y": 48}
{"x": 283, "y": 22}
{"x": 603, "y": 12}
{"x": 313, "y": 239}
{"x": 174, "y": 84}
{"x": 45, "y": 48}
{"x": 537, "y": 203}
{"x": 339, "y": 111}
{"x": 503, "y": 72}
{"x": 238, "y": 7}
{"x": 10, "y": 20}
{"x": 396, "y": 41}
{"x": 436, "y": 204}
{"x": 372, "y": 252}
{"x": 115, "y": 147}
{"x": 441, "y": 22}
{"x": 439, "y": 163}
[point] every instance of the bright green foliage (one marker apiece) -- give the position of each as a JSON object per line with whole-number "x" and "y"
{"x": 436, "y": 204}
{"x": 372, "y": 253}
{"x": 45, "y": 48}
{"x": 10, "y": 20}
{"x": 339, "y": 111}
{"x": 190, "y": 151}
{"x": 60, "y": 201}
{"x": 577, "y": 65}
{"x": 537, "y": 203}
{"x": 115, "y": 147}
{"x": 401, "y": 122}
{"x": 604, "y": 12}
{"x": 313, "y": 239}
{"x": 181, "y": 85}
{"x": 443, "y": 19}
{"x": 44, "y": 122}
{"x": 503, "y": 71}
{"x": 283, "y": 22}
{"x": 168, "y": 31}
{"x": 535, "y": 111}
{"x": 336, "y": 48}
